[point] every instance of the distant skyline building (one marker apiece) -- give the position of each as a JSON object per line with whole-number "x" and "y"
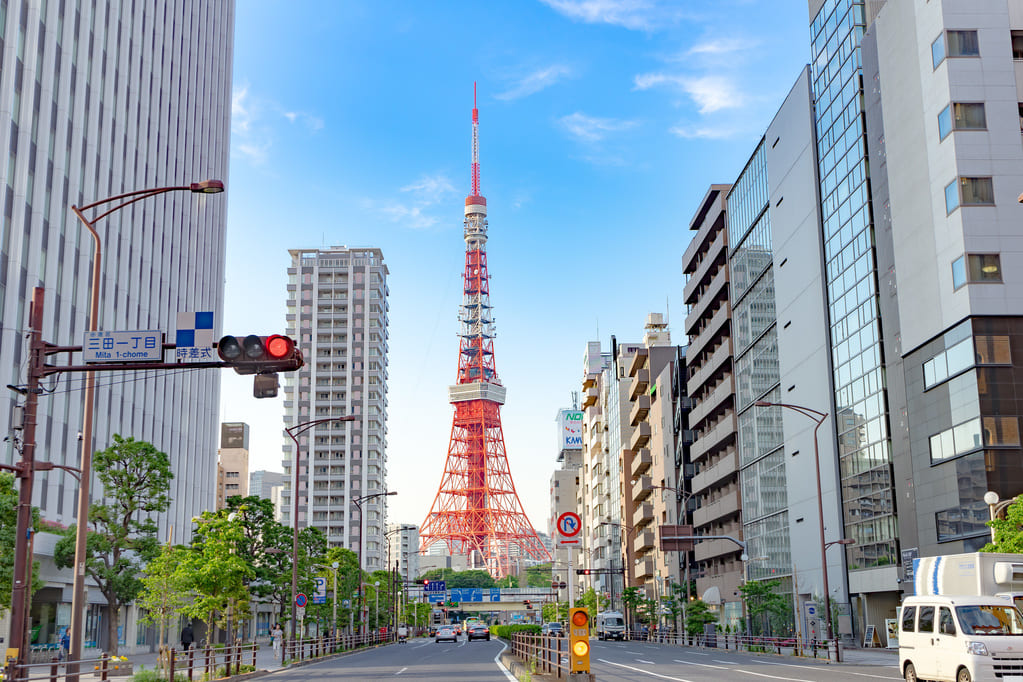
{"x": 337, "y": 312}
{"x": 403, "y": 549}
{"x": 232, "y": 462}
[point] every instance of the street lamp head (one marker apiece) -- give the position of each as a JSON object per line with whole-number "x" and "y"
{"x": 763, "y": 403}
{"x": 207, "y": 187}
{"x": 990, "y": 497}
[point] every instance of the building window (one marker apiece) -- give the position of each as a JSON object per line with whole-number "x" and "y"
{"x": 969, "y": 192}
{"x": 1001, "y": 431}
{"x": 961, "y": 116}
{"x": 1017, "y": 45}
{"x": 948, "y": 363}
{"x": 955, "y": 44}
{"x": 984, "y": 267}
{"x": 993, "y": 350}
{"x": 959, "y": 272}
{"x": 955, "y": 441}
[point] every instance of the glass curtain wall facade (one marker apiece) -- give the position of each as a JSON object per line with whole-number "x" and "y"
{"x": 851, "y": 284}
{"x": 761, "y": 443}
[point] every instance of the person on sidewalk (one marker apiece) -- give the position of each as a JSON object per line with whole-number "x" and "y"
{"x": 187, "y": 637}
{"x": 277, "y": 636}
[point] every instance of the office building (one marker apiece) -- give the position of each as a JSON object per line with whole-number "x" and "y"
{"x": 262, "y": 483}
{"x": 232, "y": 462}
{"x": 337, "y": 309}
{"x": 403, "y": 549}
{"x": 98, "y": 99}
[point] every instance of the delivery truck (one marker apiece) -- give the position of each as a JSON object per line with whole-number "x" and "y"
{"x": 976, "y": 574}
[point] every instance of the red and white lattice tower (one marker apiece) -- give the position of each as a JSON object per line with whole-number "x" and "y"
{"x": 477, "y": 511}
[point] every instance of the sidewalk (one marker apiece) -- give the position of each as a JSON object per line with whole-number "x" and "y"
{"x": 872, "y": 656}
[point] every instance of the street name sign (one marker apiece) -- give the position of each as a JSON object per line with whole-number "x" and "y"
{"x": 123, "y": 346}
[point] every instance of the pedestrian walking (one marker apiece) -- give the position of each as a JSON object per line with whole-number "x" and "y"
{"x": 187, "y": 637}
{"x": 277, "y": 635}
{"x": 65, "y": 643}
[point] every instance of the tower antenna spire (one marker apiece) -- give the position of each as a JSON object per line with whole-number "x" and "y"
{"x": 475, "y": 145}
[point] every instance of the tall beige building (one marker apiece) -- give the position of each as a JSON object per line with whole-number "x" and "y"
{"x": 232, "y": 462}
{"x": 337, "y": 309}
{"x": 715, "y": 485}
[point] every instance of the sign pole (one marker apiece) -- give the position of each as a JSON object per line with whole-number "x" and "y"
{"x": 571, "y": 577}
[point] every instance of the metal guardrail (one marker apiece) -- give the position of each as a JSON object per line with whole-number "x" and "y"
{"x": 314, "y": 647}
{"x": 546, "y": 654}
{"x": 797, "y": 646}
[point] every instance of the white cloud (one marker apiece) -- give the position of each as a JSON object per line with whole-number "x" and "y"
{"x": 536, "y": 81}
{"x": 425, "y": 192}
{"x": 691, "y": 132}
{"x": 592, "y": 129}
{"x": 253, "y": 123}
{"x": 721, "y": 46}
{"x": 642, "y": 15}
{"x": 409, "y": 216}
{"x": 312, "y": 123}
{"x": 711, "y": 93}
{"x": 430, "y": 189}
{"x": 241, "y": 117}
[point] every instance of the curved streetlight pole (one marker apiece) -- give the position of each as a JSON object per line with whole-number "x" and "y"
{"x": 293, "y": 433}
{"x": 819, "y": 418}
{"x": 362, "y": 541}
{"x": 88, "y": 398}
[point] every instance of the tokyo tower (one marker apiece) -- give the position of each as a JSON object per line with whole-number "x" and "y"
{"x": 476, "y": 511}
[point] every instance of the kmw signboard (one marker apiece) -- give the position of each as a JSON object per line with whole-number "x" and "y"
{"x": 570, "y": 430}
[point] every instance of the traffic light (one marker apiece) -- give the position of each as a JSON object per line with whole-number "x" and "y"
{"x": 583, "y": 571}
{"x": 527, "y": 604}
{"x": 260, "y": 354}
{"x": 579, "y": 639}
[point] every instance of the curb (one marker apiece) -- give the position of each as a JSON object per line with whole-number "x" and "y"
{"x": 310, "y": 661}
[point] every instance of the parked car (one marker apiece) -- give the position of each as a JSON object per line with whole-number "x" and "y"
{"x": 445, "y": 633}
{"x": 478, "y": 632}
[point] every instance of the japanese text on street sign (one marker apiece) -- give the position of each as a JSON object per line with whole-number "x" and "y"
{"x": 133, "y": 346}
{"x": 194, "y": 338}
{"x": 435, "y": 586}
{"x": 569, "y": 525}
{"x": 320, "y": 597}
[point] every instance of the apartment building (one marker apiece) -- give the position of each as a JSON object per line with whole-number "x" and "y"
{"x": 403, "y": 549}
{"x": 268, "y": 485}
{"x": 711, "y": 386}
{"x": 337, "y": 309}
{"x": 232, "y": 462}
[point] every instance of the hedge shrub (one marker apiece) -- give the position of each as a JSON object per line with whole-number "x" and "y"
{"x": 506, "y": 631}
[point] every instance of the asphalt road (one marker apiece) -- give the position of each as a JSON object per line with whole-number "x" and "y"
{"x": 423, "y": 659}
{"x": 643, "y": 662}
{"x": 420, "y": 659}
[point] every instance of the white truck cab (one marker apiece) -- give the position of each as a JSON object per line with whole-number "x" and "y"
{"x": 960, "y": 639}
{"x": 610, "y": 625}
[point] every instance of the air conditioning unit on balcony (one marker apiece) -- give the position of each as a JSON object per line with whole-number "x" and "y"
{"x": 688, "y": 436}
{"x": 686, "y": 403}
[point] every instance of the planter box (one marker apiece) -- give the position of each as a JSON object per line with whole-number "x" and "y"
{"x": 120, "y": 669}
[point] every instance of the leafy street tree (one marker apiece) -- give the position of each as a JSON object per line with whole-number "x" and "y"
{"x": 458, "y": 579}
{"x": 347, "y": 582}
{"x": 122, "y": 529}
{"x": 632, "y": 598}
{"x": 555, "y": 612}
{"x": 164, "y": 593}
{"x": 697, "y": 615}
{"x": 539, "y": 575}
{"x": 763, "y": 604}
{"x": 1008, "y": 531}
{"x": 508, "y": 581}
{"x": 589, "y": 600}
{"x": 266, "y": 545}
{"x": 215, "y": 571}
{"x": 8, "y": 533}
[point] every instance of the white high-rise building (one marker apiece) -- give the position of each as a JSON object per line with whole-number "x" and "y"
{"x": 98, "y": 99}
{"x": 337, "y": 312}
{"x": 403, "y": 548}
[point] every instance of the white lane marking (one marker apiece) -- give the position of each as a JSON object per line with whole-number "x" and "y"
{"x": 702, "y": 665}
{"x": 648, "y": 646}
{"x": 645, "y": 672}
{"x": 828, "y": 669}
{"x": 497, "y": 661}
{"x": 773, "y": 677}
{"x": 640, "y": 660}
{"x": 698, "y": 653}
{"x": 401, "y": 671}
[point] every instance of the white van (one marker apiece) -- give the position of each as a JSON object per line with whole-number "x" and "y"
{"x": 610, "y": 625}
{"x": 960, "y": 639}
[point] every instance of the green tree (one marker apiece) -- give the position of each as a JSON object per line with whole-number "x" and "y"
{"x": 589, "y": 600}
{"x": 122, "y": 529}
{"x": 458, "y": 579}
{"x": 632, "y": 598}
{"x": 1008, "y": 530}
{"x": 508, "y": 581}
{"x": 347, "y": 582}
{"x": 8, "y": 535}
{"x": 164, "y": 593}
{"x": 697, "y": 615}
{"x": 557, "y": 611}
{"x": 539, "y": 575}
{"x": 215, "y": 571}
{"x": 763, "y": 604}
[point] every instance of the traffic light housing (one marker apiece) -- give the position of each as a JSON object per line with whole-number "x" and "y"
{"x": 583, "y": 571}
{"x": 579, "y": 639}
{"x": 260, "y": 354}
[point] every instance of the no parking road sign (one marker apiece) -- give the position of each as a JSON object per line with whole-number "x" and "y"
{"x": 569, "y": 526}
{"x": 301, "y": 600}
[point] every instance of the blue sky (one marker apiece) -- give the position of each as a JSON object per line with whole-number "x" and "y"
{"x": 602, "y": 122}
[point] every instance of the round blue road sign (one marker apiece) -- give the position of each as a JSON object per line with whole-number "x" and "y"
{"x": 301, "y": 600}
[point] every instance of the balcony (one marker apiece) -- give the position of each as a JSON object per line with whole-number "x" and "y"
{"x": 643, "y": 541}
{"x": 716, "y": 291}
{"x": 640, "y": 382}
{"x": 711, "y": 366}
{"x": 641, "y": 488}
{"x": 707, "y": 262}
{"x": 722, "y": 434}
{"x": 590, "y": 397}
{"x": 712, "y": 402}
{"x": 638, "y": 361}
{"x": 640, "y": 435}
{"x": 644, "y": 568}
{"x": 718, "y": 321}
{"x": 594, "y": 421}
{"x": 641, "y": 462}
{"x": 640, "y": 409}
{"x": 726, "y": 506}
{"x": 725, "y": 467}
{"x": 643, "y": 513}
{"x": 706, "y": 550}
{"x": 589, "y": 380}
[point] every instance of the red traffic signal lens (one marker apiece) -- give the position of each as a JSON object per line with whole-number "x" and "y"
{"x": 253, "y": 347}
{"x": 580, "y": 620}
{"x": 229, "y": 349}
{"x": 278, "y": 347}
